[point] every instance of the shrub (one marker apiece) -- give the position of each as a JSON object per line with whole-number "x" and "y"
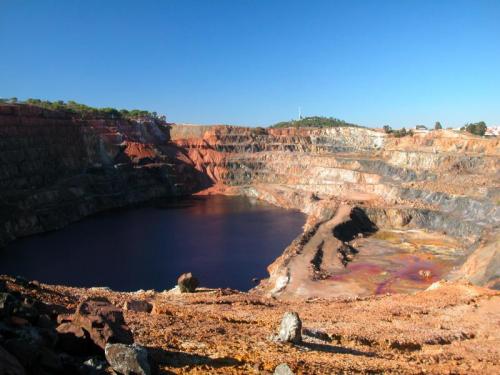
{"x": 478, "y": 128}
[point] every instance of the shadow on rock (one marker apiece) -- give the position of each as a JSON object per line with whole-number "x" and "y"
{"x": 358, "y": 223}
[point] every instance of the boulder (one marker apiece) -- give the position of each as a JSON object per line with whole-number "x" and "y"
{"x": 128, "y": 359}
{"x": 9, "y": 365}
{"x": 282, "y": 369}
{"x": 103, "y": 321}
{"x": 138, "y": 306}
{"x": 290, "y": 328}
{"x": 187, "y": 283}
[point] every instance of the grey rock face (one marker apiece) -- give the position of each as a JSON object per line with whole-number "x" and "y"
{"x": 187, "y": 283}
{"x": 282, "y": 369}
{"x": 290, "y": 328}
{"x": 128, "y": 359}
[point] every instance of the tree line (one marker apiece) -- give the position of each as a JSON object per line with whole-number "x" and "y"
{"x": 314, "y": 122}
{"x": 87, "y": 111}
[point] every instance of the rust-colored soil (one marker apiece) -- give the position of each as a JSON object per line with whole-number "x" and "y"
{"x": 452, "y": 328}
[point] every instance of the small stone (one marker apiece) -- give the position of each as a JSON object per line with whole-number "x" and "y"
{"x": 290, "y": 328}
{"x": 128, "y": 359}
{"x": 283, "y": 369}
{"x": 138, "y": 306}
{"x": 187, "y": 283}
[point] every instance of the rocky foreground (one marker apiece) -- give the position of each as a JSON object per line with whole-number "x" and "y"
{"x": 388, "y": 218}
{"x": 451, "y": 328}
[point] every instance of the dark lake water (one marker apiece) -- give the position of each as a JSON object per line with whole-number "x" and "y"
{"x": 224, "y": 241}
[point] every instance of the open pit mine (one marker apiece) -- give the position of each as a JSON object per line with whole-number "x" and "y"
{"x": 397, "y": 269}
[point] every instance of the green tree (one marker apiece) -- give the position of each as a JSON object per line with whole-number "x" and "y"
{"x": 387, "y": 129}
{"x": 438, "y": 126}
{"x": 477, "y": 128}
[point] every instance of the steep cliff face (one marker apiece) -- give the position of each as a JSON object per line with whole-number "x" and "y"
{"x": 55, "y": 169}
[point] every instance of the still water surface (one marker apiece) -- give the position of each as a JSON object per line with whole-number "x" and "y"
{"x": 225, "y": 241}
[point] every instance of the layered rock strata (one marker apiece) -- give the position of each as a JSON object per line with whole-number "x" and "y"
{"x": 441, "y": 182}
{"x": 56, "y": 168}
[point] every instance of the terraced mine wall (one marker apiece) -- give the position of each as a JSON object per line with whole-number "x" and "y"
{"x": 441, "y": 182}
{"x": 422, "y": 181}
{"x": 56, "y": 168}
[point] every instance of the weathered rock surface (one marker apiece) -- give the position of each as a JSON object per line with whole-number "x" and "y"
{"x": 103, "y": 321}
{"x": 128, "y": 359}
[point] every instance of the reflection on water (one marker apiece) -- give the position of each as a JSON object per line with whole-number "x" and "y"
{"x": 225, "y": 241}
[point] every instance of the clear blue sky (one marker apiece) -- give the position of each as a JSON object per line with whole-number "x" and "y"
{"x": 255, "y": 62}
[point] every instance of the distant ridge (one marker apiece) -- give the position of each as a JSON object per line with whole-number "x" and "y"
{"x": 315, "y": 122}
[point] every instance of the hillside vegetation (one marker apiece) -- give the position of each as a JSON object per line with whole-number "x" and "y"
{"x": 84, "y": 110}
{"x": 314, "y": 122}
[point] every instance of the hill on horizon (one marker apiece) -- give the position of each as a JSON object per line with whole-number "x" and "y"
{"x": 315, "y": 122}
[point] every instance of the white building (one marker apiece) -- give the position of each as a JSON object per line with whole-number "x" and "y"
{"x": 493, "y": 131}
{"x": 420, "y": 129}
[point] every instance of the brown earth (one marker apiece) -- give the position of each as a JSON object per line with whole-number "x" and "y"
{"x": 452, "y": 328}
